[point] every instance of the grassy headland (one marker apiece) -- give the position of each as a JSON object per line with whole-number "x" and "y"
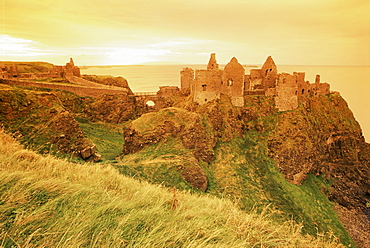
{"x": 51, "y": 202}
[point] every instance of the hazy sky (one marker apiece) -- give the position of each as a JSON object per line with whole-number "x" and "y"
{"x": 318, "y": 32}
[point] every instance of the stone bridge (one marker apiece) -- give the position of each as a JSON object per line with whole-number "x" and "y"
{"x": 150, "y": 99}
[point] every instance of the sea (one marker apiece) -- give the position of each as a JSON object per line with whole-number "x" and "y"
{"x": 353, "y": 82}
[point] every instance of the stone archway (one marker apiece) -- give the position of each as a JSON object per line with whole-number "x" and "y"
{"x": 150, "y": 103}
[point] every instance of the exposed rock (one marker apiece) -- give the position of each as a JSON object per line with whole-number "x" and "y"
{"x": 89, "y": 154}
{"x": 193, "y": 135}
{"x": 42, "y": 122}
{"x": 152, "y": 128}
{"x": 195, "y": 176}
{"x": 113, "y": 108}
{"x": 323, "y": 138}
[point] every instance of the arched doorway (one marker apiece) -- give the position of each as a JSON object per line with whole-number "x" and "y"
{"x": 150, "y": 103}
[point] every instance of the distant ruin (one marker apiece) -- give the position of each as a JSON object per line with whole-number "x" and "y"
{"x": 287, "y": 90}
{"x": 60, "y": 75}
{"x": 11, "y": 72}
{"x": 65, "y": 71}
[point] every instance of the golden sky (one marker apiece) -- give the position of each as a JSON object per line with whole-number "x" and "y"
{"x": 295, "y": 32}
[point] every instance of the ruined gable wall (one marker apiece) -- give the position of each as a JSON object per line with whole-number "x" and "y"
{"x": 268, "y": 73}
{"x": 212, "y": 64}
{"x": 168, "y": 91}
{"x": 255, "y": 79}
{"x": 233, "y": 82}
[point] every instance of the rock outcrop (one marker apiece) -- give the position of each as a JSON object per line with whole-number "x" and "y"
{"x": 153, "y": 128}
{"x": 41, "y": 122}
{"x": 320, "y": 137}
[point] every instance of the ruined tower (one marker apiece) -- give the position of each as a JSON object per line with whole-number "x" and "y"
{"x": 207, "y": 83}
{"x": 212, "y": 64}
{"x": 187, "y": 80}
{"x": 71, "y": 70}
{"x": 71, "y": 62}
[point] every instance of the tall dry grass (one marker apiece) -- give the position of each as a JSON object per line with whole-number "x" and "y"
{"x": 49, "y": 202}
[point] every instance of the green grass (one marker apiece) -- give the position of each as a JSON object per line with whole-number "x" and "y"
{"x": 160, "y": 163}
{"x": 108, "y": 138}
{"x": 48, "y": 202}
{"x": 148, "y": 122}
{"x": 243, "y": 172}
{"x": 30, "y": 67}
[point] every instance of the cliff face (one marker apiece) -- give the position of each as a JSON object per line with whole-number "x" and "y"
{"x": 40, "y": 120}
{"x": 44, "y": 119}
{"x": 299, "y": 162}
{"x": 108, "y": 80}
{"x": 244, "y": 147}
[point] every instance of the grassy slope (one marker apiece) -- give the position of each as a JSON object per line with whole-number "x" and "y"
{"x": 243, "y": 172}
{"x": 108, "y": 138}
{"x": 30, "y": 67}
{"x": 254, "y": 180}
{"x": 51, "y": 202}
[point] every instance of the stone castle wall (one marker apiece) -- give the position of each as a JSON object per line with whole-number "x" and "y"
{"x": 208, "y": 85}
{"x": 78, "y": 90}
{"x": 286, "y": 92}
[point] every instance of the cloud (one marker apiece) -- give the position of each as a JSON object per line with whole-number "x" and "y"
{"x": 247, "y": 29}
{"x": 10, "y": 46}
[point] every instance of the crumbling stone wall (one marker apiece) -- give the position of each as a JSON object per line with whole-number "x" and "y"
{"x": 57, "y": 71}
{"x": 286, "y": 92}
{"x": 318, "y": 88}
{"x": 187, "y": 81}
{"x": 168, "y": 91}
{"x": 78, "y": 90}
{"x": 212, "y": 63}
{"x": 207, "y": 85}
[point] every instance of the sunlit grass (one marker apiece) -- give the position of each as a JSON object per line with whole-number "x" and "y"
{"x": 55, "y": 203}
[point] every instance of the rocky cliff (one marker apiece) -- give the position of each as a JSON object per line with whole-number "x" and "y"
{"x": 310, "y": 164}
{"x": 238, "y": 151}
{"x": 39, "y": 120}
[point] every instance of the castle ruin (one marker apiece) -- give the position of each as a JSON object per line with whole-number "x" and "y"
{"x": 65, "y": 71}
{"x": 12, "y": 72}
{"x": 287, "y": 90}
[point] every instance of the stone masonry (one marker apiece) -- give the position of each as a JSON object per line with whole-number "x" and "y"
{"x": 287, "y": 89}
